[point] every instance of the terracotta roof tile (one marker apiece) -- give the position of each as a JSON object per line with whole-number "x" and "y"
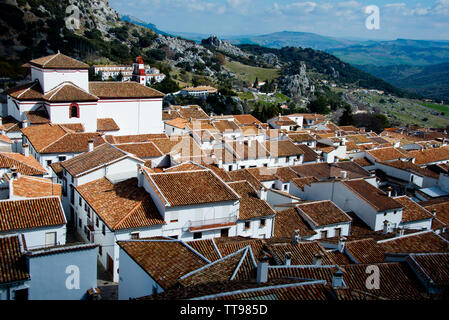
{"x": 206, "y": 248}
{"x": 100, "y": 156}
{"x": 143, "y": 150}
{"x": 376, "y": 198}
{"x": 107, "y": 124}
{"x": 246, "y": 119}
{"x": 37, "y": 117}
{"x": 245, "y": 175}
{"x": 13, "y": 266}
{"x": 302, "y": 182}
{"x": 195, "y": 187}
{"x": 423, "y": 242}
{"x": 301, "y": 253}
{"x": 433, "y": 268}
{"x": 323, "y": 213}
{"x": 58, "y": 61}
{"x": 248, "y": 150}
{"x": 32, "y": 187}
{"x": 25, "y": 165}
{"x": 250, "y": 204}
{"x": 288, "y": 221}
{"x": 412, "y": 211}
{"x": 283, "y": 148}
{"x": 135, "y": 138}
{"x": 387, "y": 154}
{"x": 430, "y": 155}
{"x": 30, "y": 214}
{"x": 116, "y": 90}
{"x": 27, "y": 92}
{"x": 132, "y": 206}
{"x": 365, "y": 251}
{"x": 68, "y": 92}
{"x": 194, "y": 112}
{"x": 166, "y": 268}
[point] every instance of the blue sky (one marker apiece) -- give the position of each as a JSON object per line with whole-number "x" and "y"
{"x": 425, "y": 19}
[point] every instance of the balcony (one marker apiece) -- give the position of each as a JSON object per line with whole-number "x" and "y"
{"x": 219, "y": 223}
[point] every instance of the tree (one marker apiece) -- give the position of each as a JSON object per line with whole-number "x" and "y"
{"x": 319, "y": 105}
{"x": 256, "y": 83}
{"x": 167, "y": 86}
{"x": 120, "y": 77}
{"x": 347, "y": 119}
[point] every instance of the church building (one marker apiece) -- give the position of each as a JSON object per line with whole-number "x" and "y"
{"x": 60, "y": 91}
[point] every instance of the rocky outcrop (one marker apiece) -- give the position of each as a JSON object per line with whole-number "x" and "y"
{"x": 296, "y": 84}
{"x": 219, "y": 45}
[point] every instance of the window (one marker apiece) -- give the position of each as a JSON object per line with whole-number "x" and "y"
{"x": 100, "y": 250}
{"x": 174, "y": 237}
{"x": 97, "y": 222}
{"x": 74, "y": 111}
{"x": 338, "y": 232}
{"x": 21, "y": 294}
{"x": 135, "y": 236}
{"x": 49, "y": 163}
{"x": 230, "y": 168}
{"x": 285, "y": 187}
{"x": 263, "y": 223}
{"x": 247, "y": 225}
{"x": 72, "y": 194}
{"x": 64, "y": 187}
{"x": 197, "y": 235}
{"x": 50, "y": 239}
{"x": 395, "y": 212}
{"x": 104, "y": 230}
{"x": 174, "y": 217}
{"x": 85, "y": 206}
{"x": 88, "y": 212}
{"x": 323, "y": 234}
{"x": 385, "y": 214}
{"x": 80, "y": 201}
{"x": 273, "y": 186}
{"x": 80, "y": 223}
{"x": 62, "y": 158}
{"x": 224, "y": 233}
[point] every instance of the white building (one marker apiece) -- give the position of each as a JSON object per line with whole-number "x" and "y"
{"x": 60, "y": 86}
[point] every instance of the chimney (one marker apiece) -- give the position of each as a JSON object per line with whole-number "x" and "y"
{"x": 26, "y": 149}
{"x": 169, "y": 111}
{"x": 262, "y": 270}
{"x": 413, "y": 160}
{"x": 14, "y": 173}
{"x": 344, "y": 174}
{"x": 139, "y": 176}
{"x": 262, "y": 193}
{"x": 288, "y": 259}
{"x": 389, "y": 191}
{"x": 296, "y": 236}
{"x": 91, "y": 145}
{"x": 399, "y": 232}
{"x": 317, "y": 259}
{"x": 434, "y": 213}
{"x": 337, "y": 279}
{"x": 341, "y": 244}
{"x": 24, "y": 124}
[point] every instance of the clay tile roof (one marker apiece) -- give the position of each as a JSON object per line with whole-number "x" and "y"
{"x": 441, "y": 209}
{"x": 317, "y": 170}
{"x": 100, "y": 156}
{"x": 250, "y": 204}
{"x": 191, "y": 188}
{"x": 107, "y": 124}
{"x": 227, "y": 246}
{"x": 245, "y": 175}
{"x": 365, "y": 251}
{"x": 68, "y": 92}
{"x": 179, "y": 123}
{"x": 411, "y": 167}
{"x": 309, "y": 154}
{"x": 387, "y": 154}
{"x": 5, "y": 139}
{"x": 302, "y": 182}
{"x": 422, "y": 242}
{"x": 27, "y": 92}
{"x": 135, "y": 138}
{"x": 170, "y": 116}
{"x": 412, "y": 211}
{"x": 363, "y": 162}
{"x": 206, "y": 248}
{"x": 246, "y": 119}
{"x": 186, "y": 166}
{"x": 49, "y": 138}
{"x": 432, "y": 268}
{"x": 116, "y": 90}
{"x": 358, "y": 139}
{"x": 226, "y": 126}
{"x": 376, "y": 198}
{"x": 133, "y": 206}
{"x": 58, "y": 61}
{"x": 283, "y": 148}
{"x": 289, "y": 220}
{"x": 11, "y": 125}
{"x": 13, "y": 266}
{"x": 323, "y": 213}
{"x": 25, "y": 165}
{"x": 30, "y": 214}
{"x": 221, "y": 270}
{"x": 143, "y": 150}
{"x": 32, "y": 187}
{"x": 301, "y": 137}
{"x": 37, "y": 117}
{"x": 301, "y": 253}
{"x": 166, "y": 268}
{"x": 194, "y": 112}
{"x": 430, "y": 155}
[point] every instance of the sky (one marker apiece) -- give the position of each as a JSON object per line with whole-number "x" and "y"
{"x": 425, "y": 19}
